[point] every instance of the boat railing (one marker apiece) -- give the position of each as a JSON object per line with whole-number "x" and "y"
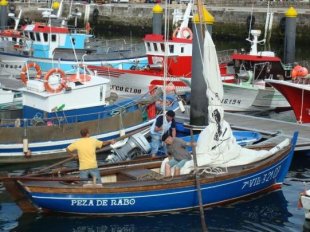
{"x": 61, "y": 118}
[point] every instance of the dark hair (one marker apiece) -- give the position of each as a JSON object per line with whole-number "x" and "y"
{"x": 170, "y": 113}
{"x": 165, "y": 136}
{"x": 84, "y": 132}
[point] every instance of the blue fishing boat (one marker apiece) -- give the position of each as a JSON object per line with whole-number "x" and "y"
{"x": 55, "y": 44}
{"x": 137, "y": 189}
{"x": 57, "y": 107}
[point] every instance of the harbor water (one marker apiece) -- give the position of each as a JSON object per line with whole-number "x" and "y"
{"x": 276, "y": 211}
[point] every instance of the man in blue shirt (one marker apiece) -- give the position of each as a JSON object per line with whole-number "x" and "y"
{"x": 162, "y": 124}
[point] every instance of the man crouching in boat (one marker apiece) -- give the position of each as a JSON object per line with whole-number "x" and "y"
{"x": 86, "y": 152}
{"x": 178, "y": 155}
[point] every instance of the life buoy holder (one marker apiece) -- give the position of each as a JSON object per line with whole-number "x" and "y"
{"x": 48, "y": 87}
{"x": 26, "y": 67}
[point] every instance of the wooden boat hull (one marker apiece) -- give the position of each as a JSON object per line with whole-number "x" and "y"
{"x": 297, "y": 95}
{"x": 143, "y": 196}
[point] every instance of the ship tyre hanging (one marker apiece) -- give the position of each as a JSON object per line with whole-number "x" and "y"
{"x": 62, "y": 82}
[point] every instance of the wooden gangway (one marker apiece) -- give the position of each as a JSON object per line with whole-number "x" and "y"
{"x": 272, "y": 127}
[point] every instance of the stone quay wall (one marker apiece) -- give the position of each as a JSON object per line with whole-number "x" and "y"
{"x": 231, "y": 16}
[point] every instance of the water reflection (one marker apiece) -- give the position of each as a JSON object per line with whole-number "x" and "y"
{"x": 263, "y": 214}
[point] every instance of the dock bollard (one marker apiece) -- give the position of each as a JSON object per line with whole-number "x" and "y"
{"x": 157, "y": 19}
{"x": 290, "y": 35}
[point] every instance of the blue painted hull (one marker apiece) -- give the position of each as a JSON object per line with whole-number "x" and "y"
{"x": 160, "y": 196}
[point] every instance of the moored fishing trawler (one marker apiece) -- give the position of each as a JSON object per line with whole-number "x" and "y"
{"x": 55, "y": 44}
{"x": 56, "y": 107}
{"x": 297, "y": 94}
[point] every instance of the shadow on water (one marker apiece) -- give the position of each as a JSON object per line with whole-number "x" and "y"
{"x": 267, "y": 213}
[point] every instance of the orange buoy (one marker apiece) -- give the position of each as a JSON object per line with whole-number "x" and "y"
{"x": 26, "y": 67}
{"x": 62, "y": 84}
{"x": 87, "y": 28}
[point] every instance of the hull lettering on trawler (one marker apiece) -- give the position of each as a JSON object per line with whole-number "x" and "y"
{"x": 126, "y": 89}
{"x": 229, "y": 101}
{"x": 103, "y": 202}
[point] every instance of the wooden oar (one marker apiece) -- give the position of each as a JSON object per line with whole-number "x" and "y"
{"x": 52, "y": 166}
{"x": 197, "y": 178}
{"x": 107, "y": 148}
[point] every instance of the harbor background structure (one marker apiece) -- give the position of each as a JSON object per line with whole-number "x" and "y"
{"x": 231, "y": 17}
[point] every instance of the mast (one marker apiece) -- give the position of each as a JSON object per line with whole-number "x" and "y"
{"x": 199, "y": 106}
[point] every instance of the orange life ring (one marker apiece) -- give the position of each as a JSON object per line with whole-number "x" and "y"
{"x": 62, "y": 83}
{"x": 188, "y": 34}
{"x": 26, "y": 67}
{"x": 174, "y": 35}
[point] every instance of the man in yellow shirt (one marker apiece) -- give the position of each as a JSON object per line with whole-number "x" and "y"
{"x": 86, "y": 151}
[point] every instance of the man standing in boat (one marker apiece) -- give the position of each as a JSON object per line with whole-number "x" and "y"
{"x": 85, "y": 149}
{"x": 161, "y": 125}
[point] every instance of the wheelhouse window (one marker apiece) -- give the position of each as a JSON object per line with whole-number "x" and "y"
{"x": 155, "y": 47}
{"x": 45, "y": 37}
{"x": 148, "y": 46}
{"x": 32, "y": 36}
{"x": 38, "y": 36}
{"x": 162, "y": 46}
{"x": 171, "y": 48}
{"x": 53, "y": 37}
{"x": 182, "y": 49}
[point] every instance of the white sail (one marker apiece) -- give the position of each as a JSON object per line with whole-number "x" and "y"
{"x": 216, "y": 145}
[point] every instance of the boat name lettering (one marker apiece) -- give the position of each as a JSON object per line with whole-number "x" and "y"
{"x": 231, "y": 101}
{"x": 103, "y": 202}
{"x": 261, "y": 179}
{"x": 126, "y": 89}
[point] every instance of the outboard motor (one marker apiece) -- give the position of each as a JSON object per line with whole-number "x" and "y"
{"x": 136, "y": 145}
